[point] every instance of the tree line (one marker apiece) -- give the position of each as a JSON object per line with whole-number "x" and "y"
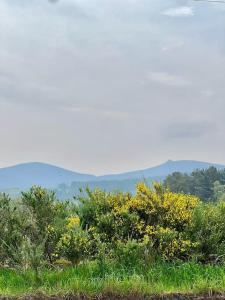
{"x": 208, "y": 184}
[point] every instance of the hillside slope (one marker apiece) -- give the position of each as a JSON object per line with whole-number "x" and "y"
{"x": 25, "y": 175}
{"x": 183, "y": 166}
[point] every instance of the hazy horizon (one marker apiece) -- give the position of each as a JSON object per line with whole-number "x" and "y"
{"x": 107, "y": 173}
{"x": 109, "y": 86}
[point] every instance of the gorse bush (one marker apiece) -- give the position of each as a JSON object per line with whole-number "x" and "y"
{"x": 74, "y": 243}
{"x": 156, "y": 215}
{"x": 131, "y": 230}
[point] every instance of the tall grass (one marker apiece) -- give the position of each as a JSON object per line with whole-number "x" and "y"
{"x": 160, "y": 278}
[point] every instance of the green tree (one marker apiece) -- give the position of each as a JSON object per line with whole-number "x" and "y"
{"x": 179, "y": 183}
{"x": 199, "y": 182}
{"x": 218, "y": 191}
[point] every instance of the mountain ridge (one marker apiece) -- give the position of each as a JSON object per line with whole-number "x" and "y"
{"x": 164, "y": 169}
{"x": 24, "y": 175}
{"x": 31, "y": 173}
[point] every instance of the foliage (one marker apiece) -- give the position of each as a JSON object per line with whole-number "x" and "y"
{"x": 31, "y": 228}
{"x": 202, "y": 183}
{"x": 158, "y": 215}
{"x": 10, "y": 231}
{"x": 74, "y": 243}
{"x": 218, "y": 191}
{"x": 208, "y": 230}
{"x": 132, "y": 253}
{"x": 38, "y": 231}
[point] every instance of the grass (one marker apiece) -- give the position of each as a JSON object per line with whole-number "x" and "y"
{"x": 160, "y": 278}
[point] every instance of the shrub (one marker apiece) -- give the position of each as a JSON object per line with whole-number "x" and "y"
{"x": 208, "y": 231}
{"x": 133, "y": 253}
{"x": 10, "y": 231}
{"x": 161, "y": 215}
{"x": 74, "y": 243}
{"x": 45, "y": 219}
{"x": 133, "y": 230}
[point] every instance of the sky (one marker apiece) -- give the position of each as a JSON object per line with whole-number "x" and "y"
{"x": 107, "y": 86}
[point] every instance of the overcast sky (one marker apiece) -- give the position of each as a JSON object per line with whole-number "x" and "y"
{"x": 104, "y": 86}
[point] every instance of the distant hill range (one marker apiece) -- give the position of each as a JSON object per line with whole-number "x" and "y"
{"x": 23, "y": 176}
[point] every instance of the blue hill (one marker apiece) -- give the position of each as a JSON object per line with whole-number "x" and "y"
{"x": 183, "y": 166}
{"x": 23, "y": 176}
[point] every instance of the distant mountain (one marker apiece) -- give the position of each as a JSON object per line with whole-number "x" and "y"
{"x": 183, "y": 166}
{"x": 23, "y": 176}
{"x": 126, "y": 182}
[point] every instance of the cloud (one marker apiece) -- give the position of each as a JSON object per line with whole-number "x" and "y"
{"x": 172, "y": 46}
{"x": 168, "y": 79}
{"x": 96, "y": 111}
{"x": 189, "y": 130}
{"x": 182, "y": 11}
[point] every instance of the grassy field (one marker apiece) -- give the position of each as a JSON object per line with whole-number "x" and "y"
{"x": 160, "y": 278}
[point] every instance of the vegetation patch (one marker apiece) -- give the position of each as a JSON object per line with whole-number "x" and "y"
{"x": 155, "y": 242}
{"x": 162, "y": 278}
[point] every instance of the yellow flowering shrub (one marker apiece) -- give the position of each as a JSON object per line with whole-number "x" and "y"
{"x": 159, "y": 206}
{"x": 178, "y": 209}
{"x": 72, "y": 222}
{"x": 166, "y": 215}
{"x": 161, "y": 215}
{"x": 74, "y": 245}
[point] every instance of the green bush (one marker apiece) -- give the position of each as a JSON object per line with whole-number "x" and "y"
{"x": 132, "y": 253}
{"x": 11, "y": 231}
{"x": 74, "y": 244}
{"x": 208, "y": 231}
{"x": 129, "y": 230}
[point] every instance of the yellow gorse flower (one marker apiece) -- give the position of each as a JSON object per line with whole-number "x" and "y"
{"x": 73, "y": 221}
{"x": 50, "y": 229}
